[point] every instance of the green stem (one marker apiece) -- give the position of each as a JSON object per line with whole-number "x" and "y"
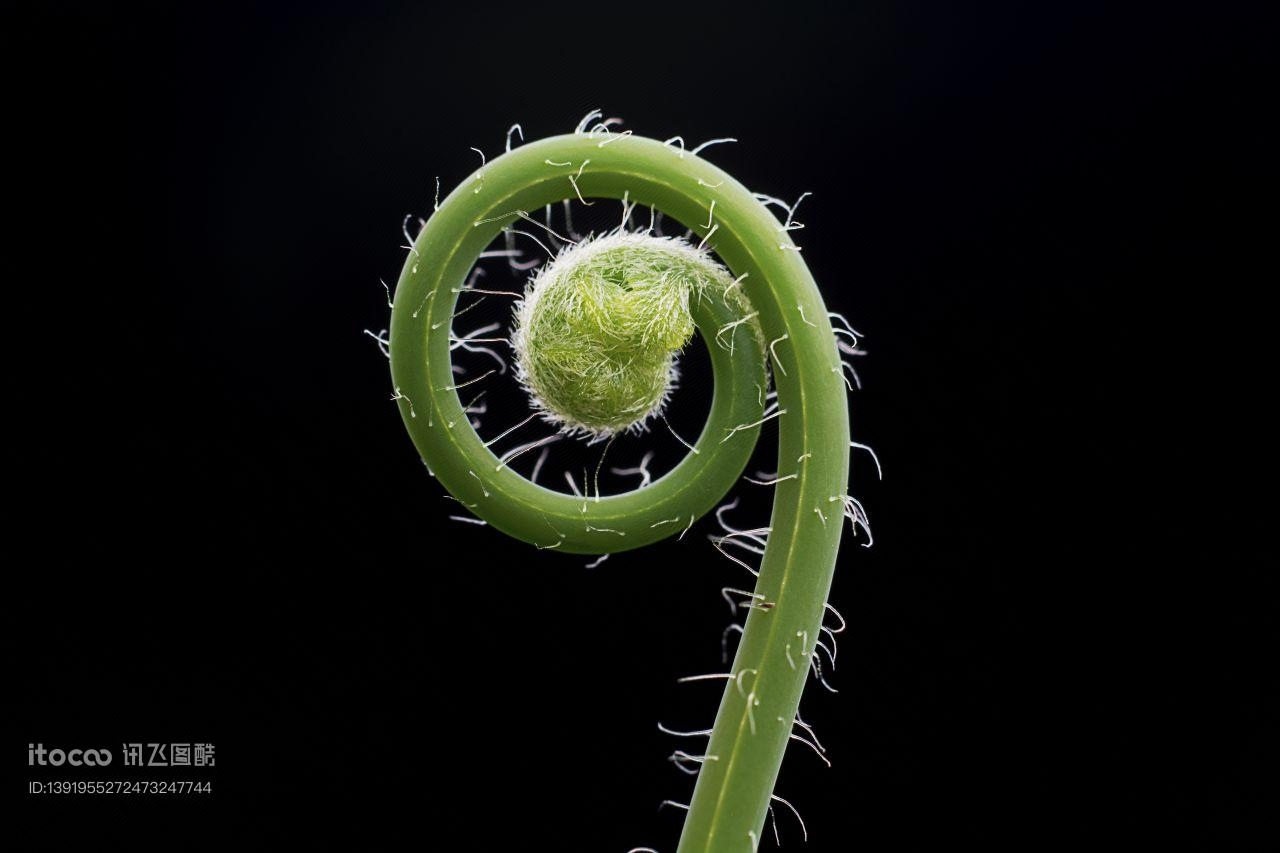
{"x": 754, "y": 722}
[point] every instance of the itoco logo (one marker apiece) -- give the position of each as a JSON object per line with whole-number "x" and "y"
{"x": 36, "y": 754}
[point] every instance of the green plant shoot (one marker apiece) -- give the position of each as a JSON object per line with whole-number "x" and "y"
{"x": 624, "y": 305}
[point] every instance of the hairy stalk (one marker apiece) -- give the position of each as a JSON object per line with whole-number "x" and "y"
{"x": 756, "y": 714}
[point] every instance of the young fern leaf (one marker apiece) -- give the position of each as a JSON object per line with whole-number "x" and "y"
{"x": 754, "y": 723}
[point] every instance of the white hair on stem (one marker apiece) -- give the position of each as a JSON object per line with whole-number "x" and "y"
{"x": 511, "y": 455}
{"x": 486, "y": 375}
{"x": 676, "y": 435}
{"x": 603, "y": 127}
{"x": 515, "y": 128}
{"x": 501, "y": 253}
{"x": 734, "y": 430}
{"x": 710, "y": 142}
{"x": 718, "y": 543}
{"x": 773, "y": 352}
{"x": 736, "y": 283}
{"x": 675, "y": 733}
{"x": 471, "y": 342}
{"x": 844, "y": 324}
{"x": 682, "y": 759}
{"x": 732, "y": 327}
{"x": 404, "y": 229}
{"x": 472, "y": 409}
{"x": 758, "y": 535}
{"x": 818, "y": 644}
{"x": 843, "y": 624}
{"x": 771, "y": 481}
{"x": 573, "y": 179}
{"x": 525, "y": 216}
{"x": 809, "y": 730}
{"x": 508, "y": 432}
{"x": 516, "y": 231}
{"x": 642, "y": 469}
{"x": 815, "y": 664}
{"x": 791, "y": 212}
{"x": 874, "y": 458}
{"x": 612, "y": 137}
{"x": 382, "y": 340}
{"x": 813, "y": 746}
{"x": 748, "y": 540}
{"x": 733, "y": 627}
{"x": 398, "y": 395}
{"x": 857, "y": 517}
{"x": 537, "y": 467}
{"x": 568, "y": 218}
{"x": 712, "y": 676}
{"x": 587, "y": 119}
{"x": 627, "y": 207}
{"x": 857, "y": 380}
{"x": 702, "y": 244}
{"x": 835, "y": 646}
{"x": 721, "y": 510}
{"x": 803, "y": 829}
{"x": 734, "y": 606}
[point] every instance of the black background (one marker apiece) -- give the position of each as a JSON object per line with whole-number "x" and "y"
{"x": 232, "y": 538}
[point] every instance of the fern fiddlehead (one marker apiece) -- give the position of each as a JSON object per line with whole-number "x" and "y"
{"x": 763, "y": 688}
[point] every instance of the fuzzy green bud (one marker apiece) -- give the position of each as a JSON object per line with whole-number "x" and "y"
{"x": 598, "y": 331}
